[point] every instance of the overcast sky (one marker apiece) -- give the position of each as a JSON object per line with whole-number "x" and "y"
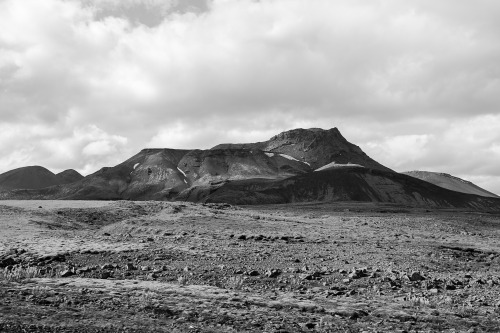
{"x": 88, "y": 83}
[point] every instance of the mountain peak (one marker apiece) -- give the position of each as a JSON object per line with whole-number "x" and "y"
{"x": 69, "y": 176}
{"x": 314, "y": 146}
{"x": 29, "y": 177}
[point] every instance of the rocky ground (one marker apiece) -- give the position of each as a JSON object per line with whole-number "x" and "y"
{"x": 80, "y": 266}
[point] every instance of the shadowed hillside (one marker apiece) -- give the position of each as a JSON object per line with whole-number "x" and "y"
{"x": 69, "y": 176}
{"x": 450, "y": 182}
{"x": 349, "y": 184}
{"x": 35, "y": 177}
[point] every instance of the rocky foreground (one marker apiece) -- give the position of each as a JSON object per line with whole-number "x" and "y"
{"x": 181, "y": 267}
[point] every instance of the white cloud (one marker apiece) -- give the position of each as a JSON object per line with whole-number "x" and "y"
{"x": 401, "y": 76}
{"x": 401, "y": 150}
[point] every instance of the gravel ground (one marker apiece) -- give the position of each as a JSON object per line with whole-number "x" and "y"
{"x": 124, "y": 266}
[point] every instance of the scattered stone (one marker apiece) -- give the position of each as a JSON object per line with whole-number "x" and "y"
{"x": 416, "y": 276}
{"x": 66, "y": 273}
{"x": 357, "y": 273}
{"x": 85, "y": 269}
{"x": 272, "y": 273}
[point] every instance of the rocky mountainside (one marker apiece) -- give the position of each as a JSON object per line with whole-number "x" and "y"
{"x": 349, "y": 184}
{"x": 450, "y": 182}
{"x": 295, "y": 166}
{"x": 36, "y": 177}
{"x": 315, "y": 146}
{"x": 163, "y": 174}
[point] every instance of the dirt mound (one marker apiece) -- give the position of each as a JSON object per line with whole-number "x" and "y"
{"x": 30, "y": 177}
{"x": 450, "y": 182}
{"x": 315, "y": 146}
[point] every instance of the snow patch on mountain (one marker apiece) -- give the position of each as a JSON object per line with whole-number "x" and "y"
{"x": 181, "y": 172}
{"x": 337, "y": 165}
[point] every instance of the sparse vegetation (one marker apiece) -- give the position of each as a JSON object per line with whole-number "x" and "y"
{"x": 21, "y": 273}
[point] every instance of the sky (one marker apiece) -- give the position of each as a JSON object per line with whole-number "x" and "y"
{"x": 89, "y": 83}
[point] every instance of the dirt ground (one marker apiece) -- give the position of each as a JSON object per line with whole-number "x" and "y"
{"x": 122, "y": 266}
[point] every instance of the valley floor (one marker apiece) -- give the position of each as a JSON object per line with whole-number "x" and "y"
{"x": 84, "y": 266}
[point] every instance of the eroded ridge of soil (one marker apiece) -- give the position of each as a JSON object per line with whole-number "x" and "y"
{"x": 81, "y": 266}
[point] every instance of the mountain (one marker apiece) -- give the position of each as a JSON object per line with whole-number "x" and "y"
{"x": 69, "y": 176}
{"x": 315, "y": 146}
{"x": 450, "y": 182}
{"x": 35, "y": 177}
{"x": 30, "y": 177}
{"x": 162, "y": 174}
{"x": 348, "y": 184}
{"x": 302, "y": 165}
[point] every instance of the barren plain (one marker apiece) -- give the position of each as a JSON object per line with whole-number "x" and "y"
{"x": 124, "y": 266}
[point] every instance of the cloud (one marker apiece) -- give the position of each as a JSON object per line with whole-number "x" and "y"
{"x": 389, "y": 74}
{"x": 466, "y": 148}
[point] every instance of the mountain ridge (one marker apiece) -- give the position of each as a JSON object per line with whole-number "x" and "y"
{"x": 313, "y": 146}
{"x": 450, "y": 182}
{"x": 36, "y": 177}
{"x": 300, "y": 165}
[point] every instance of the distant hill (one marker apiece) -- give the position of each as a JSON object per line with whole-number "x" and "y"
{"x": 69, "y": 176}
{"x": 450, "y": 182}
{"x": 30, "y": 177}
{"x": 35, "y": 177}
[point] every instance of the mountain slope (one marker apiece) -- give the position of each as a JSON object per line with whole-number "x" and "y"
{"x": 69, "y": 176}
{"x": 30, "y": 177}
{"x": 450, "y": 182}
{"x": 162, "y": 174}
{"x": 349, "y": 184}
{"x": 311, "y": 165}
{"x": 315, "y": 146}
